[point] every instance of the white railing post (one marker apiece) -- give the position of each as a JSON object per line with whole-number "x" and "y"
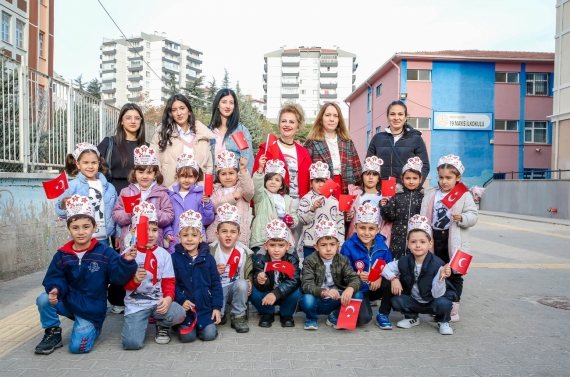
{"x": 70, "y": 141}
{"x": 101, "y": 121}
{"x": 24, "y": 119}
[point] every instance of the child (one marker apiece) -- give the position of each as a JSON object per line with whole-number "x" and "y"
{"x": 450, "y": 236}
{"x": 237, "y": 288}
{"x": 363, "y": 249}
{"x": 271, "y": 199}
{"x": 419, "y": 280}
{"x": 235, "y": 187}
{"x": 150, "y": 293}
{"x": 86, "y": 163}
{"x": 198, "y": 287}
{"x": 80, "y": 292}
{"x": 188, "y": 194}
{"x": 328, "y": 280}
{"x": 399, "y": 209}
{"x": 314, "y": 208}
{"x": 276, "y": 288}
{"x": 368, "y": 192}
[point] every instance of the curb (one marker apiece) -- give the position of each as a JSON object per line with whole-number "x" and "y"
{"x": 534, "y": 219}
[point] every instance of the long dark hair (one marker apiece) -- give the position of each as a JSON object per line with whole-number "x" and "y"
{"x": 400, "y": 103}
{"x": 121, "y": 134}
{"x": 168, "y": 123}
{"x": 233, "y": 120}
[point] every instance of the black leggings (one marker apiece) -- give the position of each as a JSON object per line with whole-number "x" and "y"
{"x": 441, "y": 250}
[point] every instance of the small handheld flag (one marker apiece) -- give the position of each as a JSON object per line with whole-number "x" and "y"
{"x": 281, "y": 266}
{"x": 328, "y": 188}
{"x": 349, "y": 314}
{"x": 151, "y": 265}
{"x": 389, "y": 187}
{"x": 240, "y": 140}
{"x": 376, "y": 270}
{"x": 129, "y": 202}
{"x": 461, "y": 261}
{"x": 456, "y": 193}
{"x": 345, "y": 202}
{"x": 208, "y": 184}
{"x": 56, "y": 186}
{"x": 233, "y": 262}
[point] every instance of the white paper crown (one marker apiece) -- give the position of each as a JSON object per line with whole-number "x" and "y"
{"x": 319, "y": 170}
{"x": 190, "y": 219}
{"x": 276, "y": 229}
{"x": 226, "y": 159}
{"x": 144, "y": 209}
{"x": 186, "y": 160}
{"x": 81, "y": 147}
{"x": 78, "y": 205}
{"x": 325, "y": 228}
{"x": 415, "y": 164}
{"x": 227, "y": 212}
{"x": 419, "y": 222}
{"x": 453, "y": 160}
{"x": 145, "y": 156}
{"x": 275, "y": 166}
{"x": 373, "y": 163}
{"x": 368, "y": 214}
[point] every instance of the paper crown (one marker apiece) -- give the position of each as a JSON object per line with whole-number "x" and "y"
{"x": 145, "y": 156}
{"x": 275, "y": 166}
{"x": 319, "y": 170}
{"x": 419, "y": 222}
{"x": 367, "y": 213}
{"x": 81, "y": 147}
{"x": 373, "y": 163}
{"x": 325, "y": 228}
{"x": 144, "y": 209}
{"x": 78, "y": 205}
{"x": 415, "y": 164}
{"x": 453, "y": 160}
{"x": 190, "y": 219}
{"x": 187, "y": 160}
{"x": 227, "y": 212}
{"x": 226, "y": 159}
{"x": 276, "y": 229}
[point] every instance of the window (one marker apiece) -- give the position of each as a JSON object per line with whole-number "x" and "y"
{"x": 303, "y": 91}
{"x": 510, "y": 77}
{"x": 148, "y": 54}
{"x": 419, "y": 123}
{"x": 147, "y": 74}
{"x": 19, "y": 34}
{"x": 6, "y": 18}
{"x": 369, "y": 101}
{"x": 536, "y": 84}
{"x": 535, "y": 132}
{"x": 506, "y": 125}
{"x": 378, "y": 90}
{"x": 419, "y": 75}
{"x": 328, "y": 69}
{"x": 378, "y": 129}
{"x": 41, "y": 43}
{"x": 147, "y": 44}
{"x": 147, "y": 84}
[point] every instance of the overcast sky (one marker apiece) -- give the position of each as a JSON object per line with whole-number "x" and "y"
{"x": 236, "y": 34}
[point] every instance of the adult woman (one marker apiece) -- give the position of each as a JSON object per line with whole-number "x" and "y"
{"x": 329, "y": 142}
{"x": 179, "y": 133}
{"x": 398, "y": 143}
{"x": 225, "y": 122}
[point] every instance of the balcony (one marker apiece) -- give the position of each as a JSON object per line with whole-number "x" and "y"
{"x": 112, "y": 70}
{"x": 136, "y": 49}
{"x": 198, "y": 70}
{"x": 290, "y": 64}
{"x": 171, "y": 52}
{"x": 135, "y": 58}
{"x": 165, "y": 90}
{"x": 110, "y": 52}
{"x": 265, "y": 87}
{"x": 109, "y": 43}
{"x": 290, "y": 84}
{"x": 194, "y": 51}
{"x": 265, "y": 77}
{"x": 112, "y": 90}
{"x": 136, "y": 88}
{"x": 290, "y": 74}
{"x": 109, "y": 61}
{"x": 265, "y": 97}
{"x": 353, "y": 78}
{"x": 329, "y": 74}
{"x": 328, "y": 86}
{"x": 329, "y": 63}
{"x": 135, "y": 77}
{"x": 328, "y": 96}
{"x": 169, "y": 71}
{"x": 135, "y": 68}
{"x": 133, "y": 99}
{"x": 110, "y": 100}
{"x": 192, "y": 78}
{"x": 104, "y": 80}
{"x": 294, "y": 53}
{"x": 194, "y": 60}
{"x": 265, "y": 68}
{"x": 290, "y": 95}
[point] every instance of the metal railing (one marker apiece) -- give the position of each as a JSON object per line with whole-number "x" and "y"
{"x": 530, "y": 174}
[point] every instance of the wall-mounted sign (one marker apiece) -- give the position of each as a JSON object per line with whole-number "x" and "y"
{"x": 463, "y": 121}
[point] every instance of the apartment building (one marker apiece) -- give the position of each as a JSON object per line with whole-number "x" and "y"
{"x": 144, "y": 66}
{"x": 308, "y": 76}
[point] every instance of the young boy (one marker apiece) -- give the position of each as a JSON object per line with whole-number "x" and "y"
{"x": 363, "y": 249}
{"x": 80, "y": 292}
{"x": 238, "y": 287}
{"x": 314, "y": 207}
{"x": 274, "y": 287}
{"x": 198, "y": 287}
{"x": 328, "y": 280}
{"x": 419, "y": 280}
{"x": 150, "y": 294}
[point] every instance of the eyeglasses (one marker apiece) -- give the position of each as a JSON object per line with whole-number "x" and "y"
{"x": 129, "y": 118}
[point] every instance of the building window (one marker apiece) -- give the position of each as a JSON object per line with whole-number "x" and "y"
{"x": 328, "y": 69}
{"x": 148, "y": 55}
{"x": 536, "y": 84}
{"x": 369, "y": 101}
{"x": 147, "y": 84}
{"x": 419, "y": 75}
{"x": 419, "y": 123}
{"x": 535, "y": 132}
{"x": 19, "y": 34}
{"x": 510, "y": 77}
{"x": 378, "y": 129}
{"x": 506, "y": 125}
{"x": 303, "y": 91}
{"x": 41, "y": 43}
{"x": 147, "y": 74}
{"x": 367, "y": 137}
{"x": 6, "y": 18}
{"x": 378, "y": 90}
{"x": 147, "y": 44}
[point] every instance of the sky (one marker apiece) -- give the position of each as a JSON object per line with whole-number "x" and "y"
{"x": 236, "y": 34}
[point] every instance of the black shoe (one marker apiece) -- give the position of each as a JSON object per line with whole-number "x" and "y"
{"x": 51, "y": 341}
{"x": 266, "y": 320}
{"x": 287, "y": 321}
{"x": 223, "y": 321}
{"x": 239, "y": 324}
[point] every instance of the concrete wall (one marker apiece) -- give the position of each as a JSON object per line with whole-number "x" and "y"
{"x": 528, "y": 197}
{"x": 30, "y": 232}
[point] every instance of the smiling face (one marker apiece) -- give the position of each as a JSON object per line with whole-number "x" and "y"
{"x": 190, "y": 239}
{"x": 185, "y": 181}
{"x": 419, "y": 243}
{"x": 411, "y": 179}
{"x": 276, "y": 248}
{"x": 274, "y": 183}
{"x": 447, "y": 179}
{"x": 81, "y": 230}
{"x": 397, "y": 118}
{"x": 288, "y": 125}
{"x": 152, "y": 234}
{"x": 131, "y": 122}
{"x": 228, "y": 233}
{"x": 226, "y": 106}
{"x": 366, "y": 232}
{"x": 180, "y": 113}
{"x": 327, "y": 247}
{"x": 88, "y": 164}
{"x": 145, "y": 177}
{"x": 330, "y": 119}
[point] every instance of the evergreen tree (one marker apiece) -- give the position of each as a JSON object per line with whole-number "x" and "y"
{"x": 79, "y": 83}
{"x": 172, "y": 87}
{"x": 94, "y": 88}
{"x": 226, "y": 80}
{"x": 249, "y": 117}
{"x": 212, "y": 90}
{"x": 194, "y": 89}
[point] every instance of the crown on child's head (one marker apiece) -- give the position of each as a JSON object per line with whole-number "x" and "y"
{"x": 325, "y": 228}
{"x": 453, "y": 160}
{"x": 228, "y": 213}
{"x": 226, "y": 159}
{"x": 145, "y": 156}
{"x": 145, "y": 209}
{"x": 415, "y": 164}
{"x": 368, "y": 214}
{"x": 275, "y": 166}
{"x": 186, "y": 160}
{"x": 79, "y": 205}
{"x": 81, "y": 147}
{"x": 190, "y": 219}
{"x": 373, "y": 163}
{"x": 419, "y": 222}
{"x": 319, "y": 170}
{"x": 276, "y": 229}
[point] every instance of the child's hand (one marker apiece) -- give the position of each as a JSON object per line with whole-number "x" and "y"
{"x": 375, "y": 284}
{"x": 261, "y": 278}
{"x": 332, "y": 293}
{"x": 216, "y": 316}
{"x": 349, "y": 215}
{"x": 364, "y": 276}
{"x": 63, "y": 204}
{"x": 117, "y": 245}
{"x": 317, "y": 204}
{"x": 383, "y": 202}
{"x": 269, "y": 299}
{"x": 396, "y": 287}
{"x": 140, "y": 275}
{"x": 237, "y": 195}
{"x": 346, "y": 295}
{"x": 221, "y": 268}
{"x": 170, "y": 238}
{"x": 250, "y": 286}
{"x": 262, "y": 161}
{"x": 52, "y": 296}
{"x": 163, "y": 305}
{"x": 205, "y": 199}
{"x": 131, "y": 253}
{"x": 242, "y": 164}
{"x": 445, "y": 272}
{"x": 188, "y": 305}
{"x": 456, "y": 217}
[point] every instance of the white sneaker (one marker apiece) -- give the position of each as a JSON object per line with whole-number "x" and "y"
{"x": 408, "y": 323}
{"x": 455, "y": 312}
{"x": 444, "y": 328}
{"x": 117, "y": 309}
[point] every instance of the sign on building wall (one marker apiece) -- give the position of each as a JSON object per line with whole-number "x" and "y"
{"x": 463, "y": 121}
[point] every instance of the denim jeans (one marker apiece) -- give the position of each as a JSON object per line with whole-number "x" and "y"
{"x": 207, "y": 333}
{"x": 83, "y": 333}
{"x": 384, "y": 293}
{"x": 134, "y": 327}
{"x": 410, "y": 307}
{"x": 308, "y": 250}
{"x": 235, "y": 294}
{"x": 313, "y": 306}
{"x": 287, "y": 304}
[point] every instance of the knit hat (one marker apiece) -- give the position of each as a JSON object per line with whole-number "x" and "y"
{"x": 78, "y": 205}
{"x": 82, "y": 147}
{"x": 145, "y": 156}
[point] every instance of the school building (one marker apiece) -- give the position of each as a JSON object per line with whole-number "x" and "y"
{"x": 491, "y": 108}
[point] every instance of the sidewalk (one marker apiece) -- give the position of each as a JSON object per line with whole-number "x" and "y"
{"x": 536, "y": 219}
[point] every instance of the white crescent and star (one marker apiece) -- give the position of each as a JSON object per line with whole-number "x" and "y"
{"x": 236, "y": 259}
{"x": 151, "y": 262}
{"x": 350, "y": 307}
{"x": 62, "y": 184}
{"x": 452, "y": 197}
{"x": 277, "y": 265}
{"x": 459, "y": 262}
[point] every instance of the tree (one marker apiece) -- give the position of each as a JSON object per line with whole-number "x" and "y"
{"x": 197, "y": 97}
{"x": 152, "y": 114}
{"x": 79, "y": 83}
{"x": 94, "y": 88}
{"x": 212, "y": 90}
{"x": 249, "y": 117}
{"x": 172, "y": 86}
{"x": 226, "y": 80}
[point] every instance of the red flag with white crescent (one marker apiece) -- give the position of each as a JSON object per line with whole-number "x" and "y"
{"x": 240, "y": 140}
{"x": 328, "y": 188}
{"x": 272, "y": 147}
{"x": 456, "y": 193}
{"x": 349, "y": 314}
{"x": 460, "y": 262}
{"x": 281, "y": 266}
{"x": 376, "y": 270}
{"x": 388, "y": 187}
{"x": 233, "y": 262}
{"x": 56, "y": 186}
{"x": 151, "y": 264}
{"x": 129, "y": 202}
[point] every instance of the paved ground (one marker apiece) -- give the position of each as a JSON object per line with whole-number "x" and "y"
{"x": 503, "y": 329}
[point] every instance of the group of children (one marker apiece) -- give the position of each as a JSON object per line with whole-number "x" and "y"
{"x": 205, "y": 256}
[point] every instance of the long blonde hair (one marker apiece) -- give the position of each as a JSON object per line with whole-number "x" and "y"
{"x": 318, "y": 131}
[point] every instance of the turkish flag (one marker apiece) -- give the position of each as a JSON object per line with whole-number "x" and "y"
{"x": 328, "y": 188}
{"x": 272, "y": 146}
{"x": 151, "y": 264}
{"x": 56, "y": 186}
{"x": 142, "y": 232}
{"x": 376, "y": 270}
{"x": 460, "y": 262}
{"x": 240, "y": 140}
{"x": 349, "y": 314}
{"x": 129, "y": 202}
{"x": 208, "y": 184}
{"x": 281, "y": 266}
{"x": 233, "y": 262}
{"x": 389, "y": 187}
{"x": 456, "y": 193}
{"x": 345, "y": 202}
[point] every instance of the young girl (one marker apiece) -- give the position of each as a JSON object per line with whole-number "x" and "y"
{"x": 145, "y": 179}
{"x": 187, "y": 194}
{"x": 235, "y": 187}
{"x": 450, "y": 226}
{"x": 271, "y": 200}
{"x": 398, "y": 210}
{"x": 87, "y": 164}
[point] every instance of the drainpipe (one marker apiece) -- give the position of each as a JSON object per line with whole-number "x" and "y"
{"x": 399, "y": 78}
{"x": 371, "y": 108}
{"x": 557, "y": 104}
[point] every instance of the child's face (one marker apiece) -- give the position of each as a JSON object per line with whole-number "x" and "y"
{"x": 327, "y": 247}
{"x": 447, "y": 179}
{"x": 81, "y": 230}
{"x": 190, "y": 239}
{"x": 316, "y": 185}
{"x": 186, "y": 181}
{"x": 228, "y": 177}
{"x": 276, "y": 248}
{"x": 411, "y": 180}
{"x": 366, "y": 232}
{"x": 152, "y": 234}
{"x": 370, "y": 180}
{"x": 274, "y": 184}
{"x": 228, "y": 235}
{"x": 88, "y": 165}
{"x": 419, "y": 243}
{"x": 145, "y": 178}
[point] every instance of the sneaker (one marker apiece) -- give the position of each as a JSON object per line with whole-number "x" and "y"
{"x": 408, "y": 323}
{"x": 223, "y": 321}
{"x": 444, "y": 328}
{"x": 331, "y": 321}
{"x": 311, "y": 325}
{"x": 374, "y": 303}
{"x": 51, "y": 341}
{"x": 266, "y": 320}
{"x": 117, "y": 309}
{"x": 383, "y": 322}
{"x": 162, "y": 336}
{"x": 455, "y": 312}
{"x": 239, "y": 324}
{"x": 287, "y": 321}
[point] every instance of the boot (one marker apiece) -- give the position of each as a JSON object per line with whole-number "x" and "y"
{"x": 239, "y": 324}
{"x": 51, "y": 341}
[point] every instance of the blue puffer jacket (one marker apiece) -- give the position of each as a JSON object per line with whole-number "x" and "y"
{"x": 355, "y": 250}
{"x": 232, "y": 147}
{"x": 82, "y": 284}
{"x": 80, "y": 186}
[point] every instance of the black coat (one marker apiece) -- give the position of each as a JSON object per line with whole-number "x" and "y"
{"x": 286, "y": 285}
